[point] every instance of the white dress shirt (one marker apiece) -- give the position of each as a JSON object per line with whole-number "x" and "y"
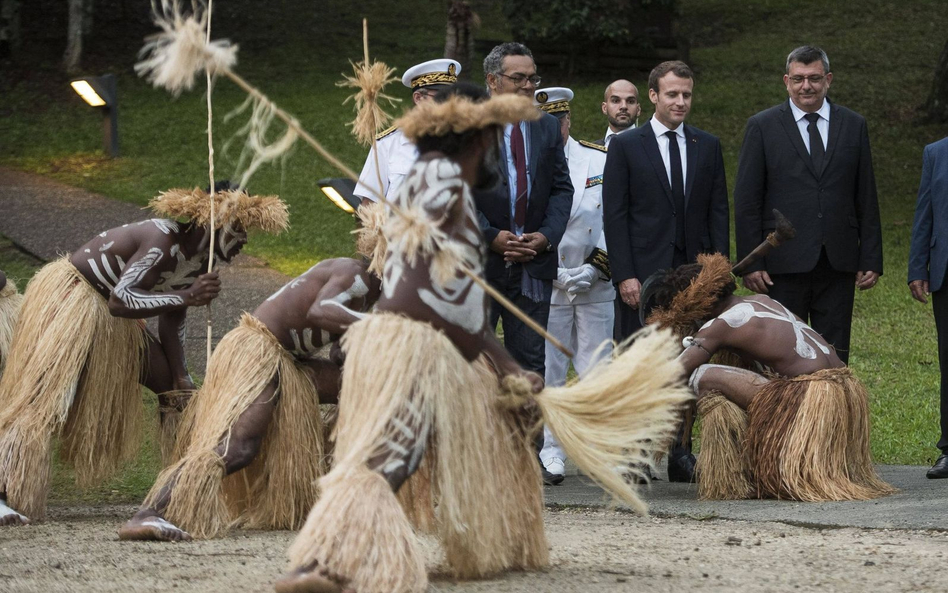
{"x": 660, "y": 130}
{"x": 610, "y": 134}
{"x": 512, "y": 169}
{"x": 822, "y": 124}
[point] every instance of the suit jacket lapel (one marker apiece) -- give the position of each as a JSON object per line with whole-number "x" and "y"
{"x": 835, "y": 124}
{"x": 655, "y": 156}
{"x": 691, "y": 149}
{"x": 533, "y": 128}
{"x": 790, "y": 126}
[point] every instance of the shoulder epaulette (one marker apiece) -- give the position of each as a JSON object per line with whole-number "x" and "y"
{"x": 593, "y": 145}
{"x": 385, "y": 133}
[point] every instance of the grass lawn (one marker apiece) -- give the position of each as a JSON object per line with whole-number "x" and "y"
{"x": 883, "y": 56}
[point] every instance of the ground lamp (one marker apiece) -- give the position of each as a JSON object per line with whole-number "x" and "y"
{"x": 99, "y": 92}
{"x": 339, "y": 191}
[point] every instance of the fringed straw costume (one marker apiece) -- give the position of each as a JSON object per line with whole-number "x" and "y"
{"x": 803, "y": 438}
{"x": 73, "y": 372}
{"x": 279, "y": 487}
{"x": 10, "y": 301}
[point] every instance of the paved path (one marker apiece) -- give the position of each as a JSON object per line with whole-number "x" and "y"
{"x": 47, "y": 218}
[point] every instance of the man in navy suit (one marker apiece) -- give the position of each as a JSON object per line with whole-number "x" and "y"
{"x": 524, "y": 218}
{"x": 664, "y": 202}
{"x": 928, "y": 260}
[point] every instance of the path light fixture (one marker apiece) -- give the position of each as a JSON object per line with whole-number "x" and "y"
{"x": 100, "y": 92}
{"x": 339, "y": 191}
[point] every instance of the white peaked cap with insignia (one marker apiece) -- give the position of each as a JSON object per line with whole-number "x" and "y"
{"x": 430, "y": 73}
{"x": 554, "y": 99}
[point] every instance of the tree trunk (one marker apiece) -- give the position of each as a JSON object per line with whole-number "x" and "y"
{"x": 9, "y": 28}
{"x": 936, "y": 107}
{"x": 73, "y": 55}
{"x": 459, "y": 40}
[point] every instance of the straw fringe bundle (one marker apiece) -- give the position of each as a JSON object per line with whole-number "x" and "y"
{"x": 173, "y": 58}
{"x": 84, "y": 388}
{"x": 621, "y": 412}
{"x": 267, "y": 213}
{"x": 172, "y": 404}
{"x": 370, "y": 116}
{"x": 721, "y": 468}
{"x": 10, "y": 301}
{"x": 370, "y": 242}
{"x": 278, "y": 487}
{"x": 459, "y": 114}
{"x": 808, "y": 439}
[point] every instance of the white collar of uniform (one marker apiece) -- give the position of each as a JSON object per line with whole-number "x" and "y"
{"x": 823, "y": 111}
{"x": 660, "y": 130}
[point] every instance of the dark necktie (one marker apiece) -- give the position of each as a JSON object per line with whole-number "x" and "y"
{"x": 520, "y": 163}
{"x": 817, "y": 152}
{"x": 678, "y": 189}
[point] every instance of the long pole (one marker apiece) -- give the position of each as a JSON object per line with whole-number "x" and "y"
{"x": 210, "y": 173}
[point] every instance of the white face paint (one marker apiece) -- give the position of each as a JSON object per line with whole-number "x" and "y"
{"x": 138, "y": 299}
{"x": 165, "y": 225}
{"x": 230, "y": 241}
{"x": 805, "y": 336}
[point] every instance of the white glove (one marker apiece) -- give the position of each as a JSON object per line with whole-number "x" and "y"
{"x": 562, "y": 278}
{"x": 581, "y": 278}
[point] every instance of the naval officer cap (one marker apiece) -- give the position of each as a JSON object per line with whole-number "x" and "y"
{"x": 432, "y": 73}
{"x": 554, "y": 100}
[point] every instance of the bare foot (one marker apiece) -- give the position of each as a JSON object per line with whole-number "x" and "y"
{"x": 10, "y": 517}
{"x": 314, "y": 580}
{"x": 152, "y": 527}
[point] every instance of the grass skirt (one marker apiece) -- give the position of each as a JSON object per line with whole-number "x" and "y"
{"x": 73, "y": 372}
{"x": 484, "y": 479}
{"x": 279, "y": 487}
{"x": 722, "y": 468}
{"x": 10, "y": 301}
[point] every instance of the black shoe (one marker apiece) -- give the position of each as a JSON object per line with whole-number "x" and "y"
{"x": 940, "y": 469}
{"x": 682, "y": 469}
{"x": 551, "y": 479}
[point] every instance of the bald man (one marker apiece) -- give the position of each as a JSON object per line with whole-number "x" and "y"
{"x": 620, "y": 105}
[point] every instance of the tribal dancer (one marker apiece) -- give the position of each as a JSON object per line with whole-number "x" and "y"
{"x": 806, "y": 432}
{"x": 260, "y": 403}
{"x": 10, "y": 301}
{"x": 420, "y": 385}
{"x": 81, "y": 348}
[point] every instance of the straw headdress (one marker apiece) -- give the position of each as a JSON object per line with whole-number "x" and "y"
{"x": 696, "y": 302}
{"x": 460, "y": 114}
{"x": 267, "y": 213}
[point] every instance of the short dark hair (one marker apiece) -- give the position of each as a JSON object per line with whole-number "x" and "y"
{"x": 452, "y": 144}
{"x": 664, "y": 285}
{"x": 494, "y": 62}
{"x": 676, "y": 67}
{"x": 807, "y": 54}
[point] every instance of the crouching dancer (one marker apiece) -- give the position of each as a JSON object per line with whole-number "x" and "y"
{"x": 81, "y": 348}
{"x": 806, "y": 432}
{"x": 260, "y": 403}
{"x": 420, "y": 384}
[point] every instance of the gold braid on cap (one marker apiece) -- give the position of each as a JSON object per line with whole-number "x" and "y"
{"x": 267, "y": 213}
{"x": 695, "y": 303}
{"x": 555, "y": 107}
{"x": 433, "y": 78}
{"x": 460, "y": 114}
{"x": 370, "y": 242}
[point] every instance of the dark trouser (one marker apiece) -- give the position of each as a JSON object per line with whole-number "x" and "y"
{"x": 526, "y": 346}
{"x": 940, "y": 309}
{"x": 822, "y": 297}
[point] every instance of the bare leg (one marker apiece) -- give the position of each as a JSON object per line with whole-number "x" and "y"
{"x": 738, "y": 385}
{"x": 246, "y": 437}
{"x": 327, "y": 377}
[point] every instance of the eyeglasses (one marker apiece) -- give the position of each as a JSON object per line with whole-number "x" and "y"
{"x": 521, "y": 81}
{"x": 813, "y": 78}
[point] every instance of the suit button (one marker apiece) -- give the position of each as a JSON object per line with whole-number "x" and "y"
{"x": 820, "y": 215}
{"x": 590, "y": 230}
{"x": 598, "y": 205}
{"x": 563, "y": 257}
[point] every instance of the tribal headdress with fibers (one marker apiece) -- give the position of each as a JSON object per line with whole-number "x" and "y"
{"x": 690, "y": 304}
{"x": 267, "y": 213}
{"x": 459, "y": 114}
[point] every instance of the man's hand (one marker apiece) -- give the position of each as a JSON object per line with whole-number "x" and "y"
{"x": 919, "y": 290}
{"x": 562, "y": 279}
{"x": 535, "y": 242}
{"x": 580, "y": 278}
{"x": 866, "y": 280}
{"x": 336, "y": 354}
{"x": 629, "y": 290}
{"x": 204, "y": 290}
{"x": 758, "y": 281}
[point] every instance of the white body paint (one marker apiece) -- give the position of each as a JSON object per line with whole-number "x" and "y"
{"x": 134, "y": 272}
{"x": 358, "y": 290}
{"x": 6, "y": 511}
{"x": 742, "y": 313}
{"x": 695, "y": 381}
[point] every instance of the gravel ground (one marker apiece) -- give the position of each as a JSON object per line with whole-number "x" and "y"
{"x": 592, "y": 551}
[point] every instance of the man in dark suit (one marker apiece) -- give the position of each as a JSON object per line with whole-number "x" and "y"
{"x": 664, "y": 202}
{"x": 524, "y": 218}
{"x": 810, "y": 159}
{"x": 928, "y": 261}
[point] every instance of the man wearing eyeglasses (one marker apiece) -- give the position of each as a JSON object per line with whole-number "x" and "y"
{"x": 810, "y": 159}
{"x": 525, "y": 216}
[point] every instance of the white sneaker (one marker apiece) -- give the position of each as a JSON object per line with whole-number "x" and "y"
{"x": 554, "y": 471}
